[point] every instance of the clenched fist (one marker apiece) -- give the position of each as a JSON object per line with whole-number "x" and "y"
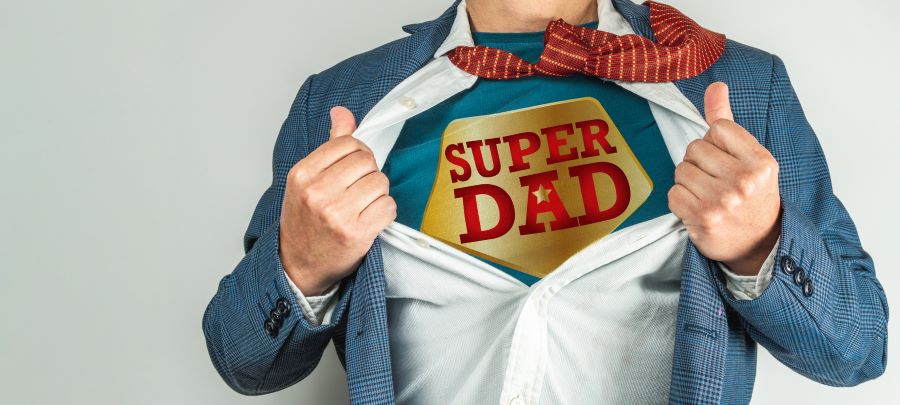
{"x": 335, "y": 203}
{"x": 726, "y": 191}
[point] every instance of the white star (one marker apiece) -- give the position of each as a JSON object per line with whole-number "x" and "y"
{"x": 542, "y": 194}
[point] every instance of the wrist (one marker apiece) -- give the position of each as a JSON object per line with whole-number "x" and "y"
{"x": 308, "y": 283}
{"x": 748, "y": 265}
{"x": 751, "y": 263}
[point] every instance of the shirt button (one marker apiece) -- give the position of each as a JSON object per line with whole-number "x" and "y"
{"x": 422, "y": 243}
{"x": 517, "y": 400}
{"x": 408, "y": 102}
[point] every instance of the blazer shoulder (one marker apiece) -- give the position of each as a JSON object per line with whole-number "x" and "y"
{"x": 751, "y": 65}
{"x": 749, "y": 73}
{"x": 364, "y": 69}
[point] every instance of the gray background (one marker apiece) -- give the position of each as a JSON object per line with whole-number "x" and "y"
{"x": 135, "y": 139}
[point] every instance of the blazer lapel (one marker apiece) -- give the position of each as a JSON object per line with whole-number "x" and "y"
{"x": 638, "y": 16}
{"x": 368, "y": 363}
{"x": 425, "y": 39}
{"x": 370, "y": 82}
{"x": 701, "y": 337}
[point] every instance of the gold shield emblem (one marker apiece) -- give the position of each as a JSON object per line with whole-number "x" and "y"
{"x": 530, "y": 188}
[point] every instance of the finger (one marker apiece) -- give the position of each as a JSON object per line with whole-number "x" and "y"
{"x": 716, "y": 103}
{"x": 352, "y": 167}
{"x": 733, "y": 139}
{"x": 379, "y": 214}
{"x": 330, "y": 153}
{"x": 699, "y": 183}
{"x": 342, "y": 122}
{"x": 365, "y": 191}
{"x": 709, "y": 158}
{"x": 683, "y": 203}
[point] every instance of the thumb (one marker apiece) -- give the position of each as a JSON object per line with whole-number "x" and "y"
{"x": 716, "y": 103}
{"x": 342, "y": 122}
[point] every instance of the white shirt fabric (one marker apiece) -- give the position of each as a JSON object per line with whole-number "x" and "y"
{"x": 598, "y": 328}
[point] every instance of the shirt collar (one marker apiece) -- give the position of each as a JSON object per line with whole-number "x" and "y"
{"x": 609, "y": 20}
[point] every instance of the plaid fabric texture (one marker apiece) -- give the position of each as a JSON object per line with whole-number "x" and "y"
{"x": 684, "y": 49}
{"x": 837, "y": 335}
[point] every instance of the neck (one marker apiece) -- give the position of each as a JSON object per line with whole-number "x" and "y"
{"x": 527, "y": 15}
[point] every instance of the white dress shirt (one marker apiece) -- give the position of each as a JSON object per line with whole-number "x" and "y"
{"x": 599, "y": 328}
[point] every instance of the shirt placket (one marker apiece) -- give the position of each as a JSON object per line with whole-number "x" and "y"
{"x": 529, "y": 352}
{"x": 527, "y": 363}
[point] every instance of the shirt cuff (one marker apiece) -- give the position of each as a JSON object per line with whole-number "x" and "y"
{"x": 316, "y": 309}
{"x": 750, "y": 287}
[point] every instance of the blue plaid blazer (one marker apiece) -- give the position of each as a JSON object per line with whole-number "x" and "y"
{"x": 836, "y": 335}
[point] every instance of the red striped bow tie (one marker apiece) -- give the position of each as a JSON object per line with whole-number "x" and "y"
{"x": 684, "y": 50}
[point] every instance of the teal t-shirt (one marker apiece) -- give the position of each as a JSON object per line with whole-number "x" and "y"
{"x": 524, "y": 173}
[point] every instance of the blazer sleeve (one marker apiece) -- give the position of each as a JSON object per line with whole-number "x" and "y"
{"x": 248, "y": 358}
{"x": 824, "y": 313}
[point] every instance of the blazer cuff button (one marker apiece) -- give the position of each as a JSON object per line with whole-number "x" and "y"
{"x": 270, "y": 327}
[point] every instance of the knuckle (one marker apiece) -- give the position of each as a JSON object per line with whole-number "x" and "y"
{"x": 359, "y": 145}
{"x": 711, "y": 218}
{"x": 307, "y": 195}
{"x": 297, "y": 173}
{"x": 680, "y": 171}
{"x": 763, "y": 171}
{"x": 390, "y": 207}
{"x": 673, "y": 204}
{"x": 675, "y": 192}
{"x": 318, "y": 194}
{"x": 771, "y": 166}
{"x": 351, "y": 160}
{"x": 346, "y": 143}
{"x": 693, "y": 234}
{"x": 382, "y": 181}
{"x": 744, "y": 186}
{"x": 369, "y": 158}
{"x": 693, "y": 146}
{"x": 363, "y": 158}
{"x": 343, "y": 236}
{"x": 339, "y": 141}
{"x": 719, "y": 125}
{"x": 761, "y": 155}
{"x": 347, "y": 236}
{"x": 344, "y": 140}
{"x": 391, "y": 204}
{"x": 333, "y": 219}
{"x": 729, "y": 200}
{"x": 362, "y": 145}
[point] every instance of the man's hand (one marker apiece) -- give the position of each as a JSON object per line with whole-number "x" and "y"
{"x": 335, "y": 203}
{"x": 726, "y": 191}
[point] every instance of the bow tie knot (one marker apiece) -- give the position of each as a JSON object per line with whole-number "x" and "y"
{"x": 684, "y": 49}
{"x": 564, "y": 51}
